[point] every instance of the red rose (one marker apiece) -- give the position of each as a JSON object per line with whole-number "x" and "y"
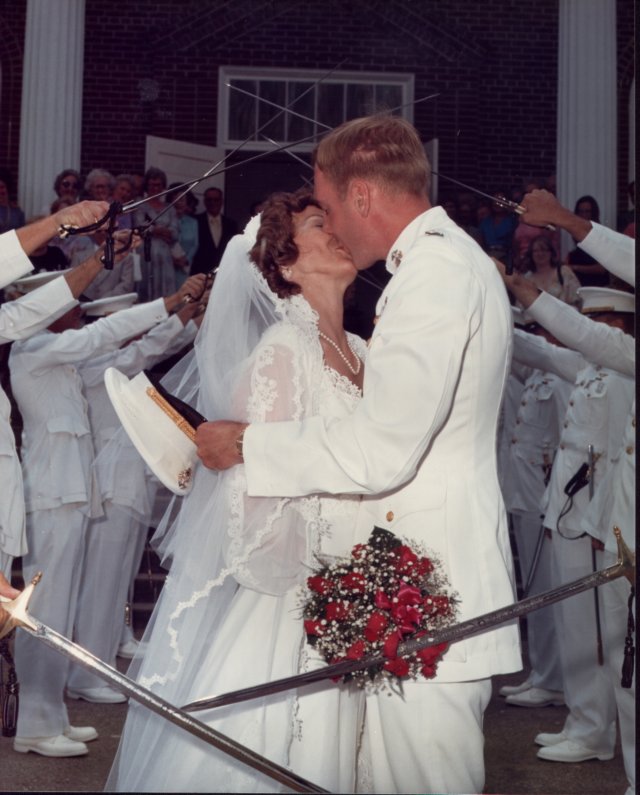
{"x": 356, "y": 650}
{"x": 376, "y": 625}
{"x": 312, "y": 627}
{"x": 436, "y": 604}
{"x": 382, "y": 600}
{"x": 399, "y": 667}
{"x": 337, "y": 611}
{"x": 431, "y": 654}
{"x": 425, "y": 566}
{"x": 406, "y": 558}
{"x": 409, "y": 595}
{"x": 428, "y": 671}
{"x": 406, "y": 618}
{"x": 320, "y": 585}
{"x": 354, "y": 582}
{"x": 390, "y": 648}
{"x": 359, "y": 551}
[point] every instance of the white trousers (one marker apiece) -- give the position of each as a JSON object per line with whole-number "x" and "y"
{"x": 542, "y": 643}
{"x": 429, "y": 742}
{"x": 129, "y": 578}
{"x": 615, "y": 596}
{"x": 56, "y": 547}
{"x": 6, "y": 561}
{"x": 108, "y": 559}
{"x": 587, "y": 686}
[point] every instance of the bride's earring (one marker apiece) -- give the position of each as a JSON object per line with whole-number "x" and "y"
{"x": 286, "y": 274}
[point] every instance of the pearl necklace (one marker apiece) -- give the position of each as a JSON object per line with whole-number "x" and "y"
{"x": 354, "y": 370}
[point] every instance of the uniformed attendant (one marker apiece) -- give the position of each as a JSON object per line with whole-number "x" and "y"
{"x": 112, "y": 541}
{"x": 533, "y": 443}
{"x": 60, "y": 496}
{"x": 599, "y": 404}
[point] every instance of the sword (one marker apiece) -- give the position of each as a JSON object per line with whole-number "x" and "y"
{"x": 594, "y": 564}
{"x": 624, "y": 567}
{"x": 18, "y": 616}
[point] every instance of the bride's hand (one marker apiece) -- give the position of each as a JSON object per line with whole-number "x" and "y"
{"x": 217, "y": 443}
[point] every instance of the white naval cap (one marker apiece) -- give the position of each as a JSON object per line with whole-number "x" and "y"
{"x": 604, "y": 299}
{"x": 159, "y": 433}
{"x": 108, "y": 305}
{"x": 35, "y": 280}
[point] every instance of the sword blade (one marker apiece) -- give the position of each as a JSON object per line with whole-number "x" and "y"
{"x": 168, "y": 711}
{"x": 624, "y": 567}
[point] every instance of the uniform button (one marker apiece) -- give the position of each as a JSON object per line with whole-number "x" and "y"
{"x": 565, "y": 425}
{"x": 524, "y": 403}
{"x": 630, "y": 449}
{"x": 571, "y": 402}
{"x": 513, "y": 441}
{"x": 562, "y": 447}
{"x": 389, "y": 516}
{"x": 518, "y": 422}
{"x": 633, "y": 422}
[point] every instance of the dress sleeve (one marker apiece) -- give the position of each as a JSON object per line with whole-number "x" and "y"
{"x": 268, "y": 538}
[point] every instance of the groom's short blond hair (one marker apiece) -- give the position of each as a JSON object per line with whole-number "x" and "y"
{"x": 384, "y": 149}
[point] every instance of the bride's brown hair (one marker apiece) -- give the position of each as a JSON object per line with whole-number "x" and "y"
{"x": 274, "y": 247}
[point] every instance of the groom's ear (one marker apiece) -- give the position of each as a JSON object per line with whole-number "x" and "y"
{"x": 359, "y": 193}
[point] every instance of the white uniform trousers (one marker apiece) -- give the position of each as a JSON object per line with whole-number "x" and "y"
{"x": 109, "y": 551}
{"x": 129, "y": 577}
{"x": 614, "y": 599}
{"x": 588, "y": 691}
{"x": 56, "y": 547}
{"x": 542, "y": 644}
{"x": 430, "y": 741}
{"x": 6, "y": 561}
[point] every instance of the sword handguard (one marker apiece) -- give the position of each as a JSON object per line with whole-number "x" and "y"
{"x": 626, "y": 558}
{"x": 17, "y": 614}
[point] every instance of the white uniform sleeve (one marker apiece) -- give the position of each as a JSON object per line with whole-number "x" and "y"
{"x": 14, "y": 263}
{"x": 31, "y": 313}
{"x": 73, "y": 346}
{"x": 162, "y": 340}
{"x": 536, "y": 352}
{"x": 615, "y": 251}
{"x": 599, "y": 343}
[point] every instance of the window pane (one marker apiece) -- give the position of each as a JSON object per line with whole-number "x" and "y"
{"x": 242, "y": 110}
{"x": 330, "y": 104}
{"x": 359, "y": 100}
{"x": 389, "y": 97}
{"x": 300, "y": 128}
{"x": 272, "y": 91}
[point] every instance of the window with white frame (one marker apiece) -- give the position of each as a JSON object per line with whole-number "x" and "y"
{"x": 250, "y": 102}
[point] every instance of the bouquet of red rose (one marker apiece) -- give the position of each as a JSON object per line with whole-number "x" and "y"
{"x": 386, "y": 593}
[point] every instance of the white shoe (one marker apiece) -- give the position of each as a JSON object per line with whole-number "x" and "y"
{"x": 97, "y": 695}
{"x": 513, "y": 690}
{"x": 537, "y": 697}
{"x": 58, "y": 745}
{"x": 81, "y": 734}
{"x": 570, "y": 751}
{"x": 129, "y": 649}
{"x": 545, "y": 738}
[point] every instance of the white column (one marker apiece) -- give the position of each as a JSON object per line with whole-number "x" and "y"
{"x": 51, "y": 116}
{"x": 587, "y": 123}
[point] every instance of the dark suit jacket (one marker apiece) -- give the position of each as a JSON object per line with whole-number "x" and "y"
{"x": 208, "y": 255}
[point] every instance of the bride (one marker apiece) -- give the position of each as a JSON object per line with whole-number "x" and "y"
{"x": 272, "y": 347}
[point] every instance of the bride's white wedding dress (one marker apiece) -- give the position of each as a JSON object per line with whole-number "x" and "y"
{"x": 229, "y": 615}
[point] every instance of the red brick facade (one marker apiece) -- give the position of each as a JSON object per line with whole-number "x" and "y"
{"x": 493, "y": 63}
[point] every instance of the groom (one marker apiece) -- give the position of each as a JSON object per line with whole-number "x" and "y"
{"x": 420, "y": 445}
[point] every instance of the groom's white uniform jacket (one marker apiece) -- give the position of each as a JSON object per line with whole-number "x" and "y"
{"x": 422, "y": 442}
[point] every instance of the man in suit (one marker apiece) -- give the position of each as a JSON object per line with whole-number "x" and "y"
{"x": 214, "y": 232}
{"x": 421, "y": 443}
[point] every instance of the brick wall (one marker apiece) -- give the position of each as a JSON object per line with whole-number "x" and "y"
{"x": 493, "y": 64}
